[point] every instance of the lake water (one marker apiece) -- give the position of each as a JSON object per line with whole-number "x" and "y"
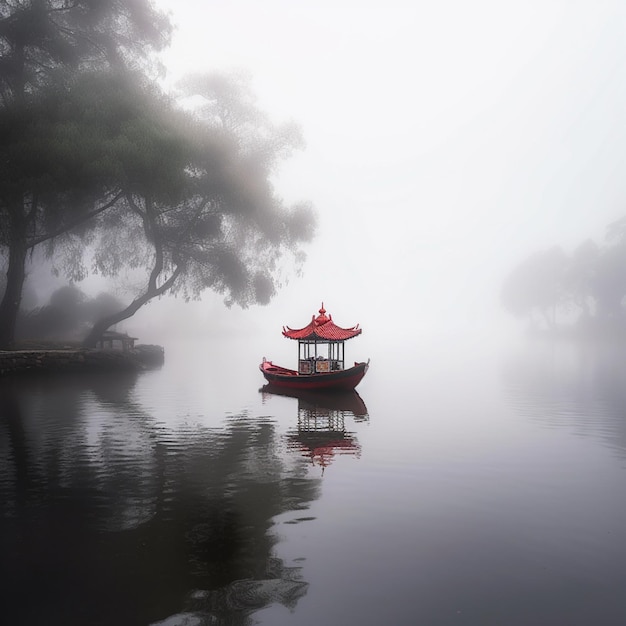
{"x": 462, "y": 486}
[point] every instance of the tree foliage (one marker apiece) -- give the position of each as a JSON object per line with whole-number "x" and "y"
{"x": 218, "y": 223}
{"x": 42, "y": 41}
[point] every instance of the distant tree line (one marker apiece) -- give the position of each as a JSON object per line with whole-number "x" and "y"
{"x": 582, "y": 290}
{"x": 107, "y": 174}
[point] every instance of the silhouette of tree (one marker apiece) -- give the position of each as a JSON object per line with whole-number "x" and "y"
{"x": 536, "y": 286}
{"x": 104, "y": 158}
{"x": 608, "y": 285}
{"x": 205, "y": 215}
{"x": 579, "y": 277}
{"x": 44, "y": 44}
{"x": 589, "y": 282}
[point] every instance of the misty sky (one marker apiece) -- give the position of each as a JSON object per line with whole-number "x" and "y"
{"x": 446, "y": 141}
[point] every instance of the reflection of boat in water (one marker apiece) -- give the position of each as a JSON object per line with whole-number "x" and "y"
{"x": 318, "y": 371}
{"x": 347, "y": 401}
{"x": 321, "y": 431}
{"x": 321, "y": 443}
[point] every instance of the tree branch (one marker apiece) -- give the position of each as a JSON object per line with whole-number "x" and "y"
{"x": 150, "y": 293}
{"x": 70, "y": 225}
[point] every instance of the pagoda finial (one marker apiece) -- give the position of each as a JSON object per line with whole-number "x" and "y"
{"x": 321, "y": 318}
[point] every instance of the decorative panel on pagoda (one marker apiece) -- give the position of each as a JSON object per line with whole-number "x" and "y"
{"x": 322, "y": 366}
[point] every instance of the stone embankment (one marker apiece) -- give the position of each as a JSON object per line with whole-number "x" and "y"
{"x": 78, "y": 360}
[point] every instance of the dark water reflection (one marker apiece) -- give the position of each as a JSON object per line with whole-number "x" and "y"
{"x": 463, "y": 487}
{"x": 109, "y": 519}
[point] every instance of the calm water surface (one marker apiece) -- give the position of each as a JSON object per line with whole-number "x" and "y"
{"x": 476, "y": 487}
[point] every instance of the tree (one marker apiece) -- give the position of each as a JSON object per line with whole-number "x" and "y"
{"x": 537, "y": 286}
{"x": 591, "y": 281}
{"x": 68, "y": 314}
{"x": 44, "y": 44}
{"x": 608, "y": 285}
{"x": 62, "y": 170}
{"x": 579, "y": 277}
{"x": 61, "y": 316}
{"x": 200, "y": 210}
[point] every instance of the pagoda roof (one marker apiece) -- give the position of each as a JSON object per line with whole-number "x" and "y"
{"x": 322, "y": 328}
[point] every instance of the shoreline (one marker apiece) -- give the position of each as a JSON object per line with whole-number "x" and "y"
{"x": 72, "y": 360}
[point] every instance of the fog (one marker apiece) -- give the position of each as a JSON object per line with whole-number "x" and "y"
{"x": 445, "y": 143}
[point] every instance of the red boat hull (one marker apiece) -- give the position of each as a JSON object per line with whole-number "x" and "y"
{"x": 343, "y": 380}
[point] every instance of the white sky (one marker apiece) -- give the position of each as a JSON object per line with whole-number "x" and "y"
{"x": 446, "y": 140}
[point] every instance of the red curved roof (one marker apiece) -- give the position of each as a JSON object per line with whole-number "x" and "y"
{"x": 322, "y": 328}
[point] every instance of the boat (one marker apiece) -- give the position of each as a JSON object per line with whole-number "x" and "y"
{"x": 321, "y": 362}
